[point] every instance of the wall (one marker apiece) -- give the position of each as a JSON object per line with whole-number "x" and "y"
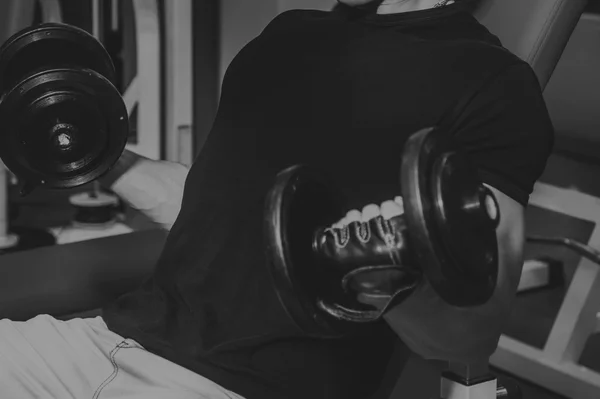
{"x": 243, "y": 20}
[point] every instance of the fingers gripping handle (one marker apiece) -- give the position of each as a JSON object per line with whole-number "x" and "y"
{"x": 375, "y": 242}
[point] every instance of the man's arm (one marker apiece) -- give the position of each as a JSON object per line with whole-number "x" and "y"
{"x": 435, "y": 330}
{"x": 509, "y": 136}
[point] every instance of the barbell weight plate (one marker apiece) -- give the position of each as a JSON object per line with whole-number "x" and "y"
{"x": 453, "y": 240}
{"x": 51, "y": 45}
{"x": 62, "y": 128}
{"x": 300, "y": 202}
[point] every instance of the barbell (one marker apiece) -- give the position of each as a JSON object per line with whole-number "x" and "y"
{"x": 447, "y": 235}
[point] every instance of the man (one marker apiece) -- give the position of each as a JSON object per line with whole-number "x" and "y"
{"x": 341, "y": 91}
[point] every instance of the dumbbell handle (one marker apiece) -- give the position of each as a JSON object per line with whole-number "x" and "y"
{"x": 365, "y": 247}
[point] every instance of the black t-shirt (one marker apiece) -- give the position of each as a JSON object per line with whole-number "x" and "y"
{"x": 342, "y": 92}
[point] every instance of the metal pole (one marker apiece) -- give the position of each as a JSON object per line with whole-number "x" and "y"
{"x": 17, "y": 14}
{"x": 96, "y": 31}
{"x": 114, "y": 17}
{"x": 96, "y": 18}
{"x": 51, "y": 10}
{"x": 179, "y": 76}
{"x": 580, "y": 248}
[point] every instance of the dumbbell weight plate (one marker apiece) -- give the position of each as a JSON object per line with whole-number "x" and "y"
{"x": 62, "y": 128}
{"x": 301, "y": 201}
{"x": 51, "y": 45}
{"x": 449, "y": 229}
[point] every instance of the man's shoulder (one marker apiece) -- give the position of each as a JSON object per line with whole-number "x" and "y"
{"x": 477, "y": 59}
{"x": 476, "y": 48}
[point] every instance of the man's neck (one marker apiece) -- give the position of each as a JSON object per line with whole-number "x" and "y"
{"x": 400, "y": 6}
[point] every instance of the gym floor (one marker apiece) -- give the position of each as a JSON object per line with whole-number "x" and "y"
{"x": 535, "y": 311}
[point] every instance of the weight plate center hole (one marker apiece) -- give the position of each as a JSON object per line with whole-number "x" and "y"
{"x": 63, "y": 136}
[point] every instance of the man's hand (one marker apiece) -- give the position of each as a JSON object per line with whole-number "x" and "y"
{"x": 375, "y": 287}
{"x": 436, "y": 330}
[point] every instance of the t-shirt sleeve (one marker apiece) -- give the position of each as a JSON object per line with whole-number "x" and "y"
{"x": 507, "y": 131}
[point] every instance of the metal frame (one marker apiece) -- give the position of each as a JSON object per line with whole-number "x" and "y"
{"x": 535, "y": 274}
{"x": 179, "y": 85}
{"x": 18, "y": 14}
{"x": 556, "y": 366}
{"x": 145, "y": 88}
{"x": 451, "y": 389}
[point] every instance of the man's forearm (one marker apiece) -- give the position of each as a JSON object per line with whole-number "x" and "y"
{"x": 436, "y": 330}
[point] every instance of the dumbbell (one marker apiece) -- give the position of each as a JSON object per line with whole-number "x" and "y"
{"x": 64, "y": 122}
{"x": 447, "y": 235}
